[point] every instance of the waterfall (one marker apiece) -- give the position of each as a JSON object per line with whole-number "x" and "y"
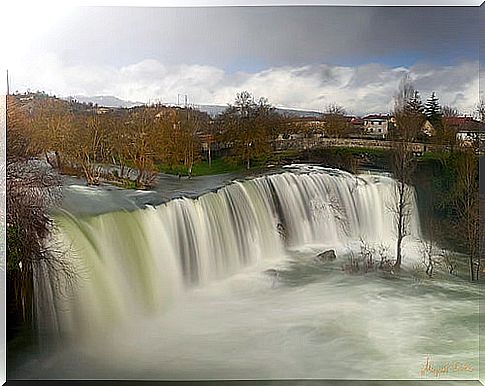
{"x": 134, "y": 264}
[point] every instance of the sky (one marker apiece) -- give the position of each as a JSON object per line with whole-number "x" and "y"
{"x": 297, "y": 57}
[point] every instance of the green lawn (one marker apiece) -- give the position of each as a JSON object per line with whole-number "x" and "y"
{"x": 226, "y": 165}
{"x": 201, "y": 168}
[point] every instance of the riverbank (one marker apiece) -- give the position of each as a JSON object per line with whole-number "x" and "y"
{"x": 433, "y": 178}
{"x": 346, "y": 158}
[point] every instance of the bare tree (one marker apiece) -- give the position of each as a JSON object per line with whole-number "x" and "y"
{"x": 405, "y": 92}
{"x": 403, "y": 165}
{"x": 336, "y": 124}
{"x": 143, "y": 144}
{"x": 367, "y": 255}
{"x": 408, "y": 124}
{"x": 449, "y": 262}
{"x": 49, "y": 126}
{"x": 432, "y": 255}
{"x": 466, "y": 204}
{"x": 118, "y": 142}
{"x": 447, "y": 134}
{"x": 32, "y": 188}
{"x": 86, "y": 146}
{"x": 189, "y": 122}
{"x": 249, "y": 125}
{"x": 371, "y": 257}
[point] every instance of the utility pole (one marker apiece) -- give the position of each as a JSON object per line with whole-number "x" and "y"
{"x": 8, "y": 85}
{"x": 185, "y": 99}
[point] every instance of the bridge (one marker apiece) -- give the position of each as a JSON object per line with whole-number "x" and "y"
{"x": 311, "y": 143}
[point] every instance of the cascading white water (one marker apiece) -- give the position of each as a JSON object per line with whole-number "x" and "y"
{"x": 133, "y": 264}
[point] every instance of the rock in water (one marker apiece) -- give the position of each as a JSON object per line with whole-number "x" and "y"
{"x": 281, "y": 230}
{"x": 326, "y": 256}
{"x": 272, "y": 272}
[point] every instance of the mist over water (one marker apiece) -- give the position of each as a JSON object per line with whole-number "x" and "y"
{"x": 181, "y": 290}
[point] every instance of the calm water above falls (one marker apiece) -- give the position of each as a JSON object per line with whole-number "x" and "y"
{"x": 179, "y": 290}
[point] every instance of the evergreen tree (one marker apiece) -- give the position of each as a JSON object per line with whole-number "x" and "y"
{"x": 415, "y": 104}
{"x": 432, "y": 109}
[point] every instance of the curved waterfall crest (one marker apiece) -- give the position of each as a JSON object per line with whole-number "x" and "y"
{"x": 137, "y": 262}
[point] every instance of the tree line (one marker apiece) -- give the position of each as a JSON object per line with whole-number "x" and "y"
{"x": 31, "y": 190}
{"x": 462, "y": 196}
{"x": 454, "y": 189}
{"x": 81, "y": 142}
{"x": 75, "y": 139}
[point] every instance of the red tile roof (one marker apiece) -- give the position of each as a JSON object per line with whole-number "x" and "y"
{"x": 376, "y": 116}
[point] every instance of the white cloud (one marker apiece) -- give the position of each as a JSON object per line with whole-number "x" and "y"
{"x": 361, "y": 89}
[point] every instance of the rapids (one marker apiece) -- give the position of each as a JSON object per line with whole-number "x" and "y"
{"x": 179, "y": 290}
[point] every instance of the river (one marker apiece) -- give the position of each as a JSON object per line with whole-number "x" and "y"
{"x": 217, "y": 279}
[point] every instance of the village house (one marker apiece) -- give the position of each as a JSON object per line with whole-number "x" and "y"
{"x": 468, "y": 131}
{"x": 303, "y": 127}
{"x": 310, "y": 126}
{"x": 376, "y": 125}
{"x": 103, "y": 110}
{"x": 468, "y": 137}
{"x": 428, "y": 129}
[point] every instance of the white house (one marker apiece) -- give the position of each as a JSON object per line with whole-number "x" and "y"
{"x": 376, "y": 125}
{"x": 468, "y": 137}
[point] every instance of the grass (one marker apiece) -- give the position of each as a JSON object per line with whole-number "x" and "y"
{"x": 226, "y": 165}
{"x": 201, "y": 168}
{"x": 434, "y": 156}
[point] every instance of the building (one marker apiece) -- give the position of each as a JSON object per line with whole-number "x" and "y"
{"x": 308, "y": 126}
{"x": 462, "y": 123}
{"x": 103, "y": 110}
{"x": 471, "y": 138}
{"x": 428, "y": 129}
{"x": 468, "y": 130}
{"x": 376, "y": 125}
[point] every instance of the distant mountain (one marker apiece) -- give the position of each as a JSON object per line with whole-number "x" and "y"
{"x": 298, "y": 113}
{"x": 105, "y": 101}
{"x": 212, "y": 110}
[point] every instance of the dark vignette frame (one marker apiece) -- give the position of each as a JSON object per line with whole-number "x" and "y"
{"x": 285, "y": 382}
